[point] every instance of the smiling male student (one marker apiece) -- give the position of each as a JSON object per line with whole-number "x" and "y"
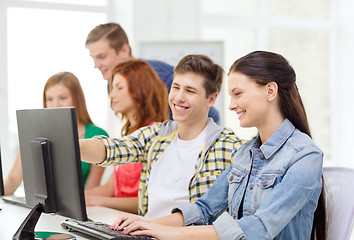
{"x": 181, "y": 158}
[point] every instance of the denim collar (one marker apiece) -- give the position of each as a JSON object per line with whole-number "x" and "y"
{"x": 276, "y": 140}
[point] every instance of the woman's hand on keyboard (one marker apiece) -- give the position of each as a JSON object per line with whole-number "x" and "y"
{"x": 154, "y": 230}
{"x": 125, "y": 219}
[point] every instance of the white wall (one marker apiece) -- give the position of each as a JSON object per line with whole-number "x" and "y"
{"x": 181, "y": 21}
{"x": 342, "y": 84}
{"x": 4, "y": 136}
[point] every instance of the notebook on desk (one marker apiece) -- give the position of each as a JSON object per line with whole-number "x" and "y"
{"x": 98, "y": 230}
{"x": 14, "y": 199}
{"x": 17, "y": 200}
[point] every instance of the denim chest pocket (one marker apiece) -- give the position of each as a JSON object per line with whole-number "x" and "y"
{"x": 267, "y": 180}
{"x": 235, "y": 178}
{"x": 263, "y": 186}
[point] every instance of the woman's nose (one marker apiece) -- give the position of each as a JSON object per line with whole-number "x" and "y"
{"x": 232, "y": 105}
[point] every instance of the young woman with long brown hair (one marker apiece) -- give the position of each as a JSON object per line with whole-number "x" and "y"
{"x": 274, "y": 187}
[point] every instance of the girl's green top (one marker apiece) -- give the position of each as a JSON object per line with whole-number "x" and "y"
{"x": 90, "y": 131}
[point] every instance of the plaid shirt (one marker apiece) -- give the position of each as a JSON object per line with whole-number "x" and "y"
{"x": 147, "y": 144}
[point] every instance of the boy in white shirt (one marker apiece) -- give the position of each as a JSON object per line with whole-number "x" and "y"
{"x": 181, "y": 158}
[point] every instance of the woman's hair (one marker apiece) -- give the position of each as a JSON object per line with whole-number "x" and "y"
{"x": 148, "y": 92}
{"x": 70, "y": 81}
{"x": 264, "y": 67}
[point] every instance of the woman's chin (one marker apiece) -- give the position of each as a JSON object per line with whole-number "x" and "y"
{"x": 244, "y": 124}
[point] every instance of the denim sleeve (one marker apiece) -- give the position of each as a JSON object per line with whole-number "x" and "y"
{"x": 207, "y": 208}
{"x": 227, "y": 228}
{"x": 301, "y": 185}
{"x": 191, "y": 214}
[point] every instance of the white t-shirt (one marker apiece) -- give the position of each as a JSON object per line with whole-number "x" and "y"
{"x": 171, "y": 174}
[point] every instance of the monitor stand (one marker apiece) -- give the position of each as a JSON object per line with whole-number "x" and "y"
{"x": 26, "y": 230}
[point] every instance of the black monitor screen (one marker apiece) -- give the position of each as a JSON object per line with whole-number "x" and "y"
{"x": 50, "y": 159}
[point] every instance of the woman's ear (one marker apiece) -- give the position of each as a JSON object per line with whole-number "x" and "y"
{"x": 272, "y": 91}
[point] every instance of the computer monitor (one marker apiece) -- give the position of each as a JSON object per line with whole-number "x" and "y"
{"x": 2, "y": 190}
{"x": 51, "y": 165}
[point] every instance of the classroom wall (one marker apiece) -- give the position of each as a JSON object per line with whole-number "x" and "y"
{"x": 185, "y": 20}
{"x": 342, "y": 83}
{"x": 330, "y": 28}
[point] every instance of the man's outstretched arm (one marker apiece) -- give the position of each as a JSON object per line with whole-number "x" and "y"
{"x": 92, "y": 150}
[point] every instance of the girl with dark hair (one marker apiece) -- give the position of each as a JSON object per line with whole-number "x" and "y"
{"x": 273, "y": 188}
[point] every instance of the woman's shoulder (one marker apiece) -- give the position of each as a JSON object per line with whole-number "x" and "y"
{"x": 300, "y": 141}
{"x": 92, "y": 130}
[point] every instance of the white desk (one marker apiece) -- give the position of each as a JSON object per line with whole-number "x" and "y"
{"x": 12, "y": 216}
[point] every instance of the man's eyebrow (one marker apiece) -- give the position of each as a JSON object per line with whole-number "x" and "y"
{"x": 192, "y": 88}
{"x": 186, "y": 87}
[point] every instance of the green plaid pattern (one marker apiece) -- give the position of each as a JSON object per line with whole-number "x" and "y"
{"x": 146, "y": 146}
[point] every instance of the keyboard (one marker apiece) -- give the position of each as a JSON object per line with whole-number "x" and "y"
{"x": 98, "y": 230}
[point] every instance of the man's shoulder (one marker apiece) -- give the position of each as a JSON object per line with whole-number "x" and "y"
{"x": 166, "y": 128}
{"x": 163, "y": 70}
{"x": 158, "y": 129}
{"x": 228, "y": 135}
{"x": 227, "y": 132}
{"x": 159, "y": 64}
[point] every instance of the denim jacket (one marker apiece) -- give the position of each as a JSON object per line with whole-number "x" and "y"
{"x": 280, "y": 182}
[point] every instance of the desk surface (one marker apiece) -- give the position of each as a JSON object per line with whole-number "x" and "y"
{"x": 12, "y": 216}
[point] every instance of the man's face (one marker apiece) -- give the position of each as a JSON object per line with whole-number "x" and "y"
{"x": 187, "y": 99}
{"x": 104, "y": 57}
